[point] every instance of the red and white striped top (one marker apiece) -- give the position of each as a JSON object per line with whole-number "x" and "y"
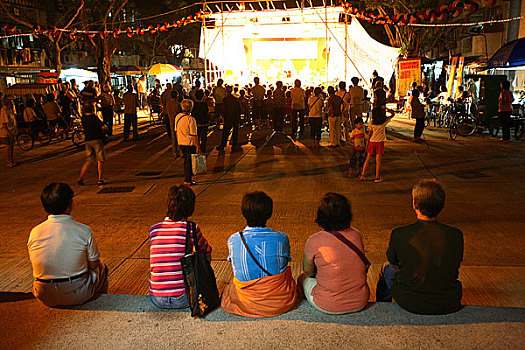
{"x": 167, "y": 239}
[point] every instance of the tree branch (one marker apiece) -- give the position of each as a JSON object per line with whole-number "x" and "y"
{"x": 106, "y": 16}
{"x": 115, "y": 15}
{"x": 79, "y": 9}
{"x": 13, "y": 18}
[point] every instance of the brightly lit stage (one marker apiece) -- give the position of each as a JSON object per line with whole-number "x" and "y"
{"x": 313, "y": 44}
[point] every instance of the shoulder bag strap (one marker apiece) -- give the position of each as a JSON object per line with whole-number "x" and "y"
{"x": 353, "y": 247}
{"x": 190, "y": 226}
{"x": 252, "y": 256}
{"x": 188, "y": 237}
{"x": 313, "y": 104}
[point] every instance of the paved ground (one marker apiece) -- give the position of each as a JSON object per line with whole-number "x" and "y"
{"x": 484, "y": 180}
{"x": 485, "y": 187}
{"x": 133, "y": 322}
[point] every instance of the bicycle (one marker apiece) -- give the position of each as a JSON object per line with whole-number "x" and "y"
{"x": 461, "y": 123}
{"x": 26, "y": 137}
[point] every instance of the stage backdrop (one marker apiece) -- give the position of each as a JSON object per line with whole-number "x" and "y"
{"x": 286, "y": 44}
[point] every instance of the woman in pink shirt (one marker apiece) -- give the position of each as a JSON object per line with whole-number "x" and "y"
{"x": 334, "y": 278}
{"x": 505, "y": 109}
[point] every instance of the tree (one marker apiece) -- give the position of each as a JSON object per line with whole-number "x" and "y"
{"x": 413, "y": 41}
{"x": 159, "y": 47}
{"x": 56, "y": 43}
{"x": 103, "y": 15}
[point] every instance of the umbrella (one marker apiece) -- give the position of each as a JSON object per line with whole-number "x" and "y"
{"x": 128, "y": 70}
{"x": 509, "y": 55}
{"x": 160, "y": 68}
{"x": 31, "y": 89}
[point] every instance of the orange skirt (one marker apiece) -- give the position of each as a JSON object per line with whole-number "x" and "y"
{"x": 263, "y": 297}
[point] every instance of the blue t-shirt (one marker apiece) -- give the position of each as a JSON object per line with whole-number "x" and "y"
{"x": 270, "y": 248}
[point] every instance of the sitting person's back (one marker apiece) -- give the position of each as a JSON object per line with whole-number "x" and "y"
{"x": 334, "y": 279}
{"x": 263, "y": 285}
{"x": 64, "y": 254}
{"x": 424, "y": 258}
{"x": 167, "y": 246}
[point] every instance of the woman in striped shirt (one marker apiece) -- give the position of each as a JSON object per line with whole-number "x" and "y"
{"x": 167, "y": 242}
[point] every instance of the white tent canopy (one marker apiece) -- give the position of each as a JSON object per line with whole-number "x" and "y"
{"x": 281, "y": 44}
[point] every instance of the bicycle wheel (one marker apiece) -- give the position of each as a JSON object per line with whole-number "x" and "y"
{"x": 45, "y": 138}
{"x": 441, "y": 119}
{"x": 467, "y": 125}
{"x": 25, "y": 141}
{"x": 453, "y": 130}
{"x": 78, "y": 138}
{"x": 518, "y": 129}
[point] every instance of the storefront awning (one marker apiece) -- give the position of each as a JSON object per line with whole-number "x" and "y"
{"x": 31, "y": 89}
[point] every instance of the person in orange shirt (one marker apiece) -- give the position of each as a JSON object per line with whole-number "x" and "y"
{"x": 505, "y": 109}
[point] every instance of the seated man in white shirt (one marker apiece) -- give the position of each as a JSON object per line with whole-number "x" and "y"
{"x": 64, "y": 254}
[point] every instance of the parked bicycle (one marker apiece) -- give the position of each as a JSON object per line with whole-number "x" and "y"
{"x": 461, "y": 123}
{"x": 27, "y": 137}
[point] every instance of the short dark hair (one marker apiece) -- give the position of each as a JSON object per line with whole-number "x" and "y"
{"x": 334, "y": 212}
{"x": 181, "y": 202}
{"x": 199, "y": 94}
{"x": 355, "y": 81}
{"x": 505, "y": 85}
{"x": 429, "y": 197}
{"x": 50, "y": 97}
{"x": 415, "y": 93}
{"x": 257, "y": 208}
{"x": 342, "y": 85}
{"x": 56, "y": 198}
{"x": 358, "y": 120}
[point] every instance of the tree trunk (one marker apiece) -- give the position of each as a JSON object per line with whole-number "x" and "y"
{"x": 104, "y": 55}
{"x": 58, "y": 59}
{"x": 104, "y": 70}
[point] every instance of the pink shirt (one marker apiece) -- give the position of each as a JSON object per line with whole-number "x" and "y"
{"x": 341, "y": 276}
{"x": 505, "y": 101}
{"x": 167, "y": 244}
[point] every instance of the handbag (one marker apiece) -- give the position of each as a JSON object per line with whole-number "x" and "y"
{"x": 199, "y": 278}
{"x": 198, "y": 163}
{"x": 252, "y": 256}
{"x": 352, "y": 246}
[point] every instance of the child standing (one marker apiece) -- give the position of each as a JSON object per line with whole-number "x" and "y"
{"x": 358, "y": 139}
{"x": 376, "y": 143}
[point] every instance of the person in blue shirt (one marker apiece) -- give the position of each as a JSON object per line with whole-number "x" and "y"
{"x": 263, "y": 285}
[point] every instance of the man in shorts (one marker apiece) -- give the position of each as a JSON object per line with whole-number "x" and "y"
{"x": 94, "y": 131}
{"x": 258, "y": 92}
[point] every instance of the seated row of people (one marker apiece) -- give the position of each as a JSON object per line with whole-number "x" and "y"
{"x": 421, "y": 273}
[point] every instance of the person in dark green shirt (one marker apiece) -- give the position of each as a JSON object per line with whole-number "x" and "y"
{"x": 424, "y": 258}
